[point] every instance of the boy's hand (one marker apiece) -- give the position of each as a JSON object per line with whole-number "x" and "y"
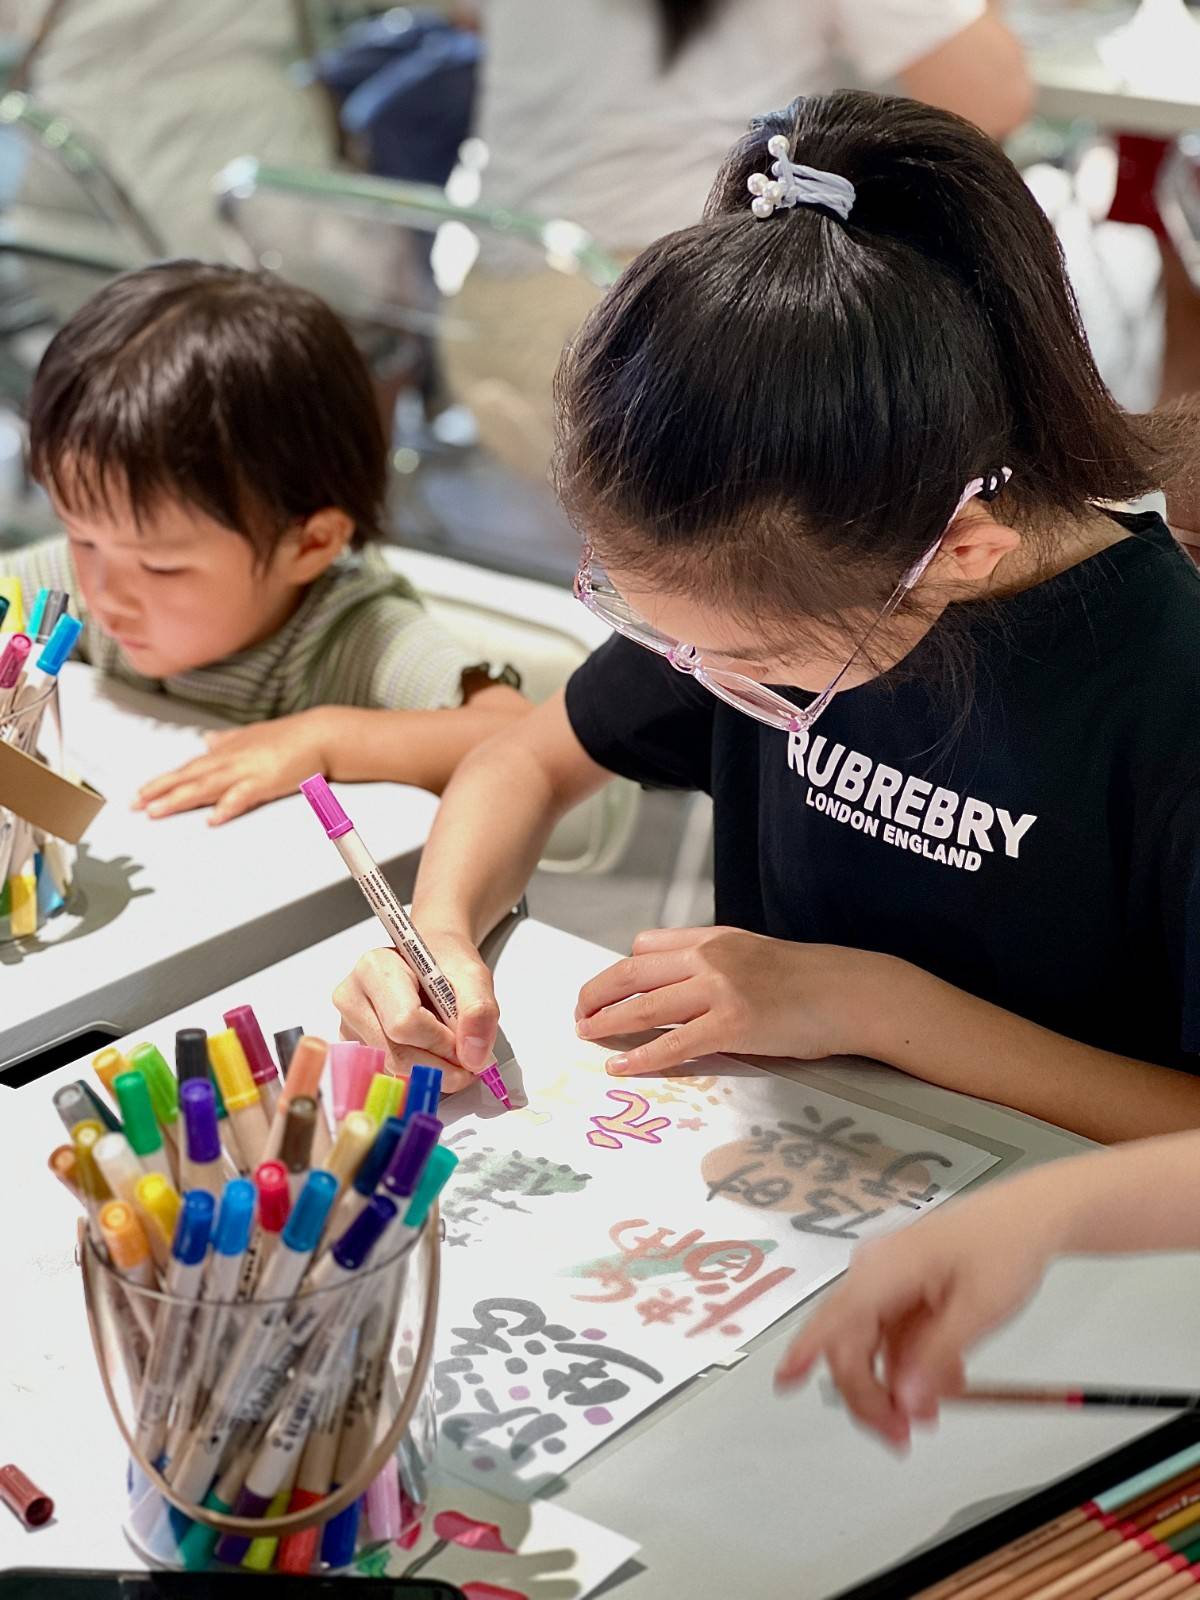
{"x": 895, "y": 1331}
{"x": 381, "y": 1005}
{"x": 244, "y": 768}
{"x": 725, "y": 989}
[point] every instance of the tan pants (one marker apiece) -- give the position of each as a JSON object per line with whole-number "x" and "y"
{"x": 502, "y": 340}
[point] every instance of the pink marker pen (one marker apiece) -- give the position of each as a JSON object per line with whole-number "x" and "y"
{"x": 383, "y": 902}
{"x": 262, "y": 1063}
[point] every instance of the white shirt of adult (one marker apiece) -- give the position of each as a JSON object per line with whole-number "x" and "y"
{"x": 581, "y": 122}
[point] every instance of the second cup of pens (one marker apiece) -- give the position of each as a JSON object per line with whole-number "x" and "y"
{"x": 265, "y": 1339}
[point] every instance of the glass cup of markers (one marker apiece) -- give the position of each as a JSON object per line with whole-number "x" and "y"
{"x": 265, "y": 1348}
{"x": 36, "y": 869}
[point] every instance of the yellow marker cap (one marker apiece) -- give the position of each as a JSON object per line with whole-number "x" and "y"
{"x": 355, "y": 1137}
{"x": 159, "y": 1205}
{"x": 84, "y": 1136}
{"x": 124, "y": 1236}
{"x": 22, "y": 904}
{"x": 107, "y": 1065}
{"x": 64, "y": 1164}
{"x": 14, "y": 620}
{"x": 385, "y": 1097}
{"x": 236, "y": 1081}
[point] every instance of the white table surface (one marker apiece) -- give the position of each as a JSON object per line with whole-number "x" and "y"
{"x": 728, "y": 1489}
{"x": 172, "y": 909}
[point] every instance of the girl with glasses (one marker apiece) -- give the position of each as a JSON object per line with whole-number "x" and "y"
{"x": 845, "y": 473}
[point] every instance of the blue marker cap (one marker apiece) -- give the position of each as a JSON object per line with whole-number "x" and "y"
{"x": 424, "y": 1091}
{"x": 434, "y": 1179}
{"x": 236, "y": 1218}
{"x": 62, "y": 641}
{"x": 35, "y": 615}
{"x": 339, "y": 1537}
{"x": 422, "y": 1133}
{"x": 194, "y": 1227}
{"x": 369, "y": 1175}
{"x": 360, "y": 1238}
{"x": 303, "y": 1228}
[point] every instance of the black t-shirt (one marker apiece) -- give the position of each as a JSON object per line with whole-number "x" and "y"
{"x": 1037, "y": 844}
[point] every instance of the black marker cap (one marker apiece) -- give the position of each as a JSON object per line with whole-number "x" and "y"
{"x": 191, "y": 1054}
{"x": 285, "y": 1046}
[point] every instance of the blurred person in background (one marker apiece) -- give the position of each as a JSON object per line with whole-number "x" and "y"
{"x": 613, "y": 114}
{"x": 167, "y": 92}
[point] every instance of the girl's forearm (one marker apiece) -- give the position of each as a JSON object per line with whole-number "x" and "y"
{"x": 418, "y": 747}
{"x": 939, "y": 1033}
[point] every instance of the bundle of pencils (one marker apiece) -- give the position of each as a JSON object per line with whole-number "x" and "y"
{"x": 260, "y": 1257}
{"x": 34, "y": 867}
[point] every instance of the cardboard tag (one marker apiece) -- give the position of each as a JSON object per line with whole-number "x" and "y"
{"x": 44, "y": 798}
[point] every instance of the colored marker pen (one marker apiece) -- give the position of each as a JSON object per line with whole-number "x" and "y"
{"x": 129, "y": 1251}
{"x": 242, "y": 1102}
{"x": 383, "y": 902}
{"x": 164, "y": 1367}
{"x": 74, "y": 1103}
{"x": 85, "y": 1136}
{"x": 250, "y": 1369}
{"x": 141, "y": 1126}
{"x": 201, "y": 1166}
{"x": 385, "y": 1097}
{"x": 297, "y": 1551}
{"x": 285, "y": 1046}
{"x": 274, "y": 1204}
{"x": 164, "y": 1095}
{"x": 158, "y": 1210}
{"x": 417, "y": 1147}
{"x": 10, "y": 589}
{"x": 119, "y": 1166}
{"x": 191, "y": 1061}
{"x": 53, "y": 605}
{"x": 12, "y": 666}
{"x": 352, "y": 1066}
{"x": 296, "y": 1152}
{"x": 355, "y": 1137}
{"x": 36, "y": 610}
{"x": 367, "y": 1178}
{"x": 261, "y": 1062}
{"x": 107, "y": 1065}
{"x": 424, "y": 1091}
{"x": 64, "y": 1164}
{"x": 306, "y": 1063}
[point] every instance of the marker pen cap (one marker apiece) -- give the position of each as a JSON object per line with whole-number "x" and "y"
{"x": 64, "y": 1164}
{"x": 10, "y": 588}
{"x": 385, "y": 1097}
{"x": 245, "y": 1024}
{"x": 99, "y": 1108}
{"x": 433, "y": 1180}
{"x": 159, "y": 1204}
{"x": 141, "y": 1125}
{"x": 5, "y": 602}
{"x": 198, "y": 1102}
{"x": 329, "y": 812}
{"x": 424, "y": 1091}
{"x": 340, "y": 1537}
{"x": 352, "y": 1066}
{"x": 404, "y": 1169}
{"x": 118, "y": 1164}
{"x": 191, "y": 1054}
{"x": 384, "y": 1511}
{"x": 85, "y": 1136}
{"x": 23, "y": 1497}
{"x": 285, "y": 1046}
{"x": 355, "y": 1137}
{"x": 375, "y": 1162}
{"x": 73, "y": 1105}
{"x": 308, "y": 1216}
{"x": 37, "y": 609}
{"x": 62, "y": 642}
{"x": 56, "y": 604}
{"x": 235, "y": 1219}
{"x": 361, "y": 1237}
{"x": 274, "y": 1196}
{"x": 234, "y": 1077}
{"x": 124, "y": 1236}
{"x": 160, "y": 1080}
{"x": 194, "y": 1228}
{"x": 16, "y": 653}
{"x": 107, "y": 1064}
{"x": 306, "y": 1064}
{"x": 300, "y": 1122}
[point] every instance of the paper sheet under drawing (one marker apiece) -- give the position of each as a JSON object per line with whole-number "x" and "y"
{"x": 618, "y": 1236}
{"x": 495, "y": 1550}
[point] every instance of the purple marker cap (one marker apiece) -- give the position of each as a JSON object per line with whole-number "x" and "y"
{"x": 245, "y": 1024}
{"x": 198, "y": 1103}
{"x": 231, "y": 1547}
{"x": 420, "y": 1136}
{"x": 329, "y": 812}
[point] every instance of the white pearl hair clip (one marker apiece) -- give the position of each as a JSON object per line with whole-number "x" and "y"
{"x": 795, "y": 185}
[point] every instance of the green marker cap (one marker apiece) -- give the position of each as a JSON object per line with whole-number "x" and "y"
{"x": 430, "y": 1184}
{"x": 137, "y": 1113}
{"x": 160, "y": 1080}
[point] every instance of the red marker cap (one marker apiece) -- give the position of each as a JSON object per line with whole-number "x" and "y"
{"x": 31, "y": 1504}
{"x": 245, "y": 1024}
{"x": 274, "y": 1196}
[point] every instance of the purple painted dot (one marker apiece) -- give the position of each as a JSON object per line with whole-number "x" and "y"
{"x": 592, "y": 1333}
{"x": 483, "y": 1463}
{"x": 519, "y": 1393}
{"x": 597, "y": 1414}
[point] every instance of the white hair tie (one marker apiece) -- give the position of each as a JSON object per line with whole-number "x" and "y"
{"x": 794, "y": 185}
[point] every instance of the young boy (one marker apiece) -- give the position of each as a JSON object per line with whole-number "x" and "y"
{"x": 209, "y": 439}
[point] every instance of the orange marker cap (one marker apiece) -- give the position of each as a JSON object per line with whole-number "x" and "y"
{"x": 305, "y": 1068}
{"x": 107, "y": 1064}
{"x": 64, "y": 1164}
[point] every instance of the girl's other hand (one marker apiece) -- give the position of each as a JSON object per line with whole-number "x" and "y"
{"x": 725, "y": 989}
{"x": 244, "y": 768}
{"x": 895, "y": 1331}
{"x": 380, "y": 1004}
